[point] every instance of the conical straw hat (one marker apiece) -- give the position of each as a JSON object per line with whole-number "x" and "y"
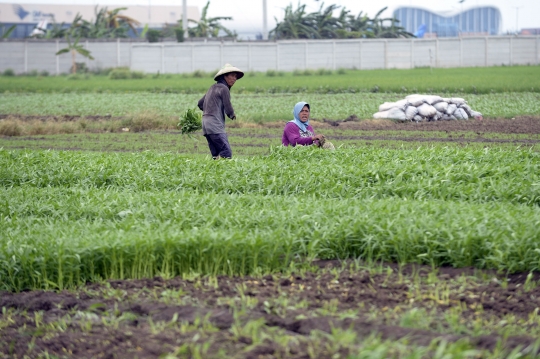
{"x": 229, "y": 68}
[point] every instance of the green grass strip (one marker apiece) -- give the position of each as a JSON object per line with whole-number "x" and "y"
{"x": 476, "y": 80}
{"x": 249, "y": 108}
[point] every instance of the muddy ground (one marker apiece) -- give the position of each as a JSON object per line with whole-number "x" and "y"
{"x": 273, "y": 316}
{"x": 518, "y": 125}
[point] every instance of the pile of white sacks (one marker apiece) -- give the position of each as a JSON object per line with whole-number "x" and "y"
{"x": 420, "y": 108}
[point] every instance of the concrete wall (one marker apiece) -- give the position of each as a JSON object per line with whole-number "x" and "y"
{"x": 25, "y": 56}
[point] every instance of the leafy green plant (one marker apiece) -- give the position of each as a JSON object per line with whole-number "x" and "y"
{"x": 7, "y": 32}
{"x": 74, "y": 48}
{"x": 8, "y": 73}
{"x": 179, "y": 33}
{"x": 209, "y": 26}
{"x": 124, "y": 73}
{"x": 190, "y": 121}
{"x": 153, "y": 35}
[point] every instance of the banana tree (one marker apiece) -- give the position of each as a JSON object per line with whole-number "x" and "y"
{"x": 6, "y": 33}
{"x": 296, "y": 24}
{"x": 209, "y": 26}
{"x": 380, "y": 30}
{"x": 74, "y": 48}
{"x": 325, "y": 23}
{"x": 107, "y": 24}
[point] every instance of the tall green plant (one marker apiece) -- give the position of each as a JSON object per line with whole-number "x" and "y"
{"x": 296, "y": 24}
{"x": 209, "y": 26}
{"x": 75, "y": 48}
{"x": 7, "y": 33}
{"x": 107, "y": 24}
{"x": 322, "y": 24}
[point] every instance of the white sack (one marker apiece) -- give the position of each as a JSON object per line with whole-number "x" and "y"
{"x": 437, "y": 116}
{"x": 418, "y": 118}
{"x": 401, "y": 104}
{"x": 386, "y": 106}
{"x": 415, "y": 100}
{"x": 476, "y": 115}
{"x": 441, "y": 106}
{"x": 382, "y": 114}
{"x": 446, "y": 117}
{"x": 396, "y": 114}
{"x": 467, "y": 109}
{"x": 410, "y": 112}
{"x": 431, "y": 99}
{"x": 461, "y": 114}
{"x": 451, "y": 109}
{"x": 457, "y": 101}
{"x": 427, "y": 110}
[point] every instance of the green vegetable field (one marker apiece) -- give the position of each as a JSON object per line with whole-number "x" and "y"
{"x": 120, "y": 236}
{"x": 72, "y": 217}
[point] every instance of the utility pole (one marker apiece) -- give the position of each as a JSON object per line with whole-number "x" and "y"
{"x": 265, "y": 24}
{"x": 461, "y": 18}
{"x": 184, "y": 18}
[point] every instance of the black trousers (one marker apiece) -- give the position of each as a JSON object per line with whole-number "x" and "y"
{"x": 219, "y": 145}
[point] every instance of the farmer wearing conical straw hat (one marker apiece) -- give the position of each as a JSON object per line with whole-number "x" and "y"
{"x": 215, "y": 105}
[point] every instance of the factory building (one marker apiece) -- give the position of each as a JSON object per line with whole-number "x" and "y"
{"x": 477, "y": 21}
{"x": 27, "y": 16}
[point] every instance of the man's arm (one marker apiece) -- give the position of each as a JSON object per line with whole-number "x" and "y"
{"x": 201, "y": 103}
{"x": 229, "y": 110}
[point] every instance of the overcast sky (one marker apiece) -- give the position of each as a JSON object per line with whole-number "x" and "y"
{"x": 247, "y": 14}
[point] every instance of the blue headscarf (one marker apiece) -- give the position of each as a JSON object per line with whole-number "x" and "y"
{"x": 296, "y": 111}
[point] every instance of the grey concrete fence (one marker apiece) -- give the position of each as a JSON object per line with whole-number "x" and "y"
{"x": 171, "y": 57}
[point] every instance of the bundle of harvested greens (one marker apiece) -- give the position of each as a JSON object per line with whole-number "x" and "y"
{"x": 327, "y": 145}
{"x": 190, "y": 121}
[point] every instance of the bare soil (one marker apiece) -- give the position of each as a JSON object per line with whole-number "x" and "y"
{"x": 151, "y": 317}
{"x": 518, "y": 125}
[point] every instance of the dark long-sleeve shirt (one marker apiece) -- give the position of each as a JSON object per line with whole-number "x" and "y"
{"x": 215, "y": 105}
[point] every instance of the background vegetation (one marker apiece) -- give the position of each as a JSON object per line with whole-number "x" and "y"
{"x": 463, "y": 80}
{"x": 251, "y": 108}
{"x": 322, "y": 24}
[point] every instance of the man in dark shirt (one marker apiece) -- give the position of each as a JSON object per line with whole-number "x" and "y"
{"x": 215, "y": 105}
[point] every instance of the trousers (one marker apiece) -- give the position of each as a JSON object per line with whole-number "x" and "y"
{"x": 219, "y": 145}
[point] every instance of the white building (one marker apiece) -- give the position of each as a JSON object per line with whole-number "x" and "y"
{"x": 27, "y": 16}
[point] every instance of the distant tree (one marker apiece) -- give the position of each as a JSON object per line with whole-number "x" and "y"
{"x": 107, "y": 24}
{"x": 6, "y": 33}
{"x": 74, "y": 48}
{"x": 296, "y": 24}
{"x": 56, "y": 31}
{"x": 325, "y": 24}
{"x": 380, "y": 30}
{"x": 355, "y": 27}
{"x": 209, "y": 27}
{"x": 322, "y": 24}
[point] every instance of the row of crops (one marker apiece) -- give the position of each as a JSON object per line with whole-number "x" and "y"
{"x": 474, "y": 80}
{"x": 71, "y": 217}
{"x": 248, "y": 107}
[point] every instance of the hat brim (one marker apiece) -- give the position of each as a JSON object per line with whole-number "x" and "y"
{"x": 228, "y": 70}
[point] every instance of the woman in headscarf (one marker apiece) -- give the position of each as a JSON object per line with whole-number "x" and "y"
{"x": 215, "y": 105}
{"x": 299, "y": 131}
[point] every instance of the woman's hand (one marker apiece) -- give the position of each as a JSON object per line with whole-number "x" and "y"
{"x": 317, "y": 138}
